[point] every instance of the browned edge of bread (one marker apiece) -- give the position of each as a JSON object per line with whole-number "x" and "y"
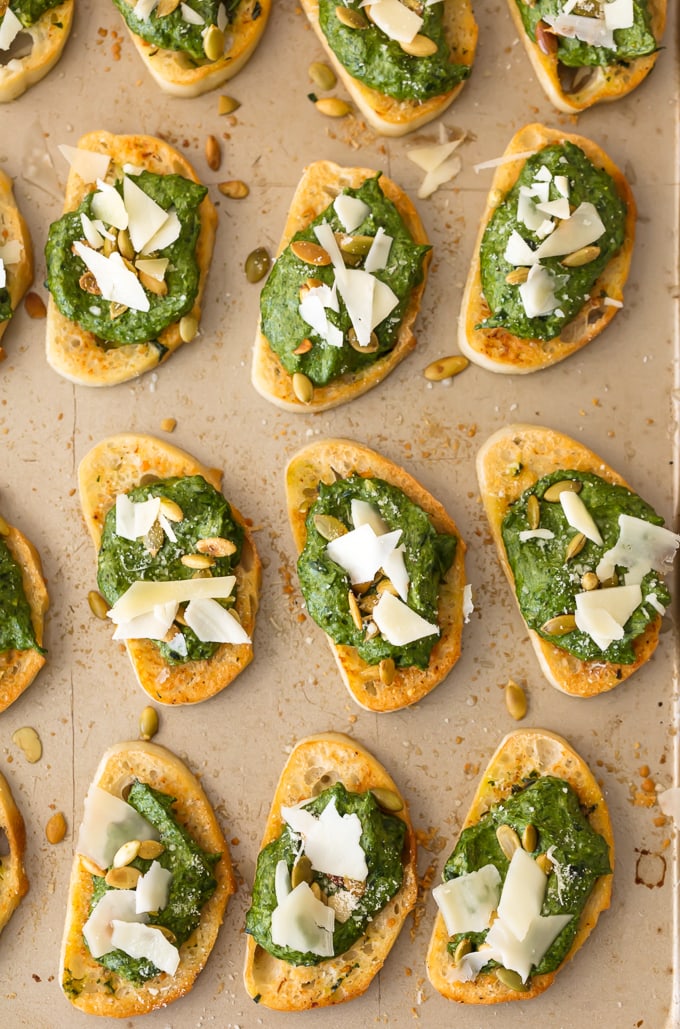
{"x": 74, "y": 352}
{"x": 601, "y": 84}
{"x": 537, "y": 451}
{"x": 497, "y": 349}
{"x": 320, "y": 182}
{"x": 316, "y": 763}
{"x": 117, "y": 464}
{"x": 391, "y": 117}
{"x": 18, "y": 668}
{"x": 48, "y": 39}
{"x": 13, "y": 227}
{"x": 520, "y": 754}
{"x": 102, "y": 992}
{"x": 13, "y": 880}
{"x": 324, "y": 461}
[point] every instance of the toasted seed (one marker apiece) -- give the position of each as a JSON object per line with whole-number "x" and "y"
{"x": 171, "y": 509}
{"x": 589, "y": 581}
{"x": 148, "y": 723}
{"x": 322, "y": 75}
{"x": 168, "y": 425}
{"x": 154, "y": 539}
{"x": 575, "y": 546}
{"x": 386, "y": 585}
{"x": 446, "y": 367}
{"x": 387, "y": 671}
{"x": 4, "y": 527}
{"x": 303, "y": 388}
{"x": 316, "y": 890}
{"x": 552, "y": 494}
{"x": 213, "y": 152}
{"x": 88, "y": 283}
{"x": 352, "y": 17}
{"x": 545, "y": 39}
{"x": 257, "y": 264}
{"x": 164, "y": 931}
{"x": 310, "y": 253}
{"x": 310, "y": 283}
{"x": 420, "y": 46}
{"x": 164, "y": 7}
{"x": 328, "y": 526}
{"x": 216, "y": 546}
{"x": 235, "y": 189}
{"x": 126, "y": 853}
{"x": 508, "y": 840}
{"x": 517, "y": 276}
{"x": 332, "y": 106}
{"x": 613, "y": 580}
{"x": 371, "y": 346}
{"x": 158, "y": 287}
{"x": 89, "y": 866}
{"x": 560, "y": 625}
{"x": 302, "y": 871}
{"x": 354, "y": 611}
{"x": 511, "y": 979}
{"x": 28, "y": 740}
{"x": 188, "y": 328}
{"x": 544, "y": 863}
{"x": 116, "y": 310}
{"x": 464, "y": 947}
{"x": 303, "y": 348}
{"x": 580, "y": 257}
{"x": 533, "y": 511}
{"x": 197, "y": 561}
{"x": 148, "y": 478}
{"x": 98, "y": 606}
{"x": 530, "y": 838}
{"x": 227, "y": 105}
{"x": 515, "y": 700}
{"x": 214, "y": 43}
{"x": 125, "y": 878}
{"x": 55, "y": 830}
{"x": 150, "y": 849}
{"x": 125, "y": 246}
{"x": 34, "y": 305}
{"x": 357, "y": 246}
{"x": 388, "y": 799}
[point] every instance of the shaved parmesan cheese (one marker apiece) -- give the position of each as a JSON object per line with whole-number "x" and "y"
{"x": 3, "y": 274}
{"x": 579, "y": 517}
{"x": 527, "y": 211}
{"x": 444, "y": 172}
{"x": 522, "y": 895}
{"x": 152, "y": 890}
{"x": 538, "y": 292}
{"x": 467, "y": 901}
{"x": 593, "y": 31}
{"x": 87, "y": 164}
{"x": 116, "y": 282}
{"x": 518, "y": 252}
{"x": 468, "y": 605}
{"x": 470, "y": 965}
{"x": 361, "y": 553}
{"x": 146, "y": 217}
{"x": 166, "y": 235}
{"x": 151, "y": 625}
{"x": 603, "y": 613}
{"x": 312, "y": 309}
{"x": 10, "y": 27}
{"x": 351, "y": 211}
{"x": 91, "y": 232}
{"x": 143, "y": 8}
{"x": 378, "y": 256}
{"x": 156, "y": 267}
{"x": 580, "y": 230}
{"x": 10, "y": 252}
{"x": 536, "y": 534}
{"x": 114, "y": 904}
{"x": 562, "y": 185}
{"x": 640, "y": 547}
{"x": 330, "y": 840}
{"x": 669, "y": 802}
{"x": 399, "y": 624}
{"x": 521, "y": 955}
{"x": 430, "y": 157}
{"x": 108, "y": 204}
{"x": 108, "y": 822}
{"x": 364, "y": 513}
{"x": 394, "y": 568}
{"x": 190, "y": 16}
{"x": 143, "y": 941}
{"x": 437, "y": 161}
{"x": 304, "y": 923}
{"x": 396, "y": 20}
{"x": 212, "y": 623}
{"x": 282, "y": 885}
{"x": 142, "y": 597}
{"x": 555, "y": 208}
{"x": 496, "y": 162}
{"x": 619, "y": 14}
{"x": 134, "y": 519}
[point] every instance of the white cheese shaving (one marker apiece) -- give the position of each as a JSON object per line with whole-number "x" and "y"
{"x": 538, "y": 292}
{"x": 466, "y": 902}
{"x": 10, "y": 252}
{"x": 91, "y": 232}
{"x": 351, "y": 211}
{"x": 361, "y": 553}
{"x": 152, "y": 890}
{"x": 89, "y": 165}
{"x": 166, "y": 235}
{"x": 396, "y": 20}
{"x": 619, "y": 14}
{"x": 579, "y": 517}
{"x": 378, "y": 256}
{"x": 190, "y": 16}
{"x": 143, "y": 596}
{"x": 468, "y": 605}
{"x": 151, "y": 625}
{"x": 3, "y": 274}
{"x": 400, "y": 624}
{"x": 10, "y": 27}
{"x": 603, "y": 613}
{"x": 365, "y": 513}
{"x": 535, "y": 534}
{"x": 143, "y": 941}
{"x": 114, "y": 904}
{"x": 108, "y": 204}
{"x": 212, "y": 623}
{"x": 593, "y": 31}
{"x": 108, "y": 822}
{"x": 303, "y": 923}
{"x": 156, "y": 267}
{"x": 143, "y": 8}
{"x": 580, "y": 230}
{"x": 146, "y": 217}
{"x": 522, "y": 895}
{"x": 331, "y": 841}
{"x": 135, "y": 518}
{"x": 640, "y": 547}
{"x": 496, "y": 162}
{"x": 115, "y": 281}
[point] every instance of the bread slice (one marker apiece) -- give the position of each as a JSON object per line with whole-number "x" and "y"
{"x": 48, "y": 37}
{"x": 13, "y": 880}
{"x": 19, "y": 275}
{"x": 92, "y": 988}
{"x": 521, "y": 754}
{"x": 497, "y": 349}
{"x": 116, "y": 465}
{"x": 572, "y": 89}
{"x": 326, "y": 461}
{"x": 177, "y": 74}
{"x": 510, "y": 461}
{"x": 18, "y": 668}
{"x": 320, "y": 184}
{"x": 391, "y": 117}
{"x": 316, "y": 763}
{"x": 71, "y": 350}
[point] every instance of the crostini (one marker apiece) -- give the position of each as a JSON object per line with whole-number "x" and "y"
{"x": 552, "y": 254}
{"x": 335, "y": 878}
{"x": 536, "y": 849}
{"x": 584, "y": 554}
{"x": 149, "y": 885}
{"x": 193, "y": 47}
{"x": 13, "y": 879}
{"x": 32, "y": 38}
{"x": 338, "y": 308}
{"x": 176, "y": 562}
{"x": 22, "y": 614}
{"x": 402, "y": 64}
{"x": 381, "y": 568}
{"x": 592, "y": 54}
{"x": 16, "y": 255}
{"x": 128, "y": 260}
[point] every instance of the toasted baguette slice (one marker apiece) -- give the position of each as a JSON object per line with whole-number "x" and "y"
{"x": 499, "y": 350}
{"x": 18, "y": 668}
{"x": 48, "y": 37}
{"x": 575, "y": 89}
{"x": 13, "y": 881}
{"x": 116, "y": 465}
{"x": 316, "y": 763}
{"x": 72, "y": 351}
{"x": 536, "y": 452}
{"x": 391, "y": 117}
{"x": 520, "y": 754}
{"x": 91, "y": 987}
{"x": 320, "y": 183}
{"x": 13, "y": 227}
{"x": 327, "y": 460}
{"x": 178, "y": 75}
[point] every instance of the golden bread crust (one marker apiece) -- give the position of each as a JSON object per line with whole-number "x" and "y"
{"x": 518, "y": 755}
{"x": 323, "y": 461}
{"x": 48, "y": 39}
{"x": 539, "y": 452}
{"x": 71, "y": 350}
{"x": 320, "y": 182}
{"x": 18, "y": 668}
{"x": 102, "y": 992}
{"x": 13, "y": 881}
{"x": 392, "y": 117}
{"x": 116, "y": 465}
{"x": 314, "y": 764}
{"x": 13, "y": 227}
{"x": 499, "y": 350}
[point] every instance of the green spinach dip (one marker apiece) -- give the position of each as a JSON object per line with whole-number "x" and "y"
{"x": 630, "y": 43}
{"x": 191, "y": 887}
{"x": 370, "y": 56}
{"x": 580, "y": 854}
{"x": 546, "y": 583}
{"x": 114, "y": 327}
{"x": 587, "y": 184}
{"x": 382, "y": 840}
{"x": 29, "y": 11}
{"x": 5, "y": 305}
{"x": 157, "y": 558}
{"x": 172, "y": 31}
{"x": 428, "y": 555}
{"x": 282, "y": 324}
{"x": 16, "y": 624}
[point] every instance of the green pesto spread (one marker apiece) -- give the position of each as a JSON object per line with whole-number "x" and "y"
{"x": 546, "y": 584}
{"x": 122, "y": 562}
{"x": 110, "y": 325}
{"x": 173, "y": 31}
{"x": 631, "y": 43}
{"x": 382, "y": 840}
{"x": 580, "y": 855}
{"x": 379, "y": 62}
{"x": 5, "y": 305}
{"x": 29, "y": 11}
{"x": 284, "y": 327}
{"x": 16, "y": 625}
{"x": 191, "y": 887}
{"x": 428, "y": 555}
{"x": 587, "y": 184}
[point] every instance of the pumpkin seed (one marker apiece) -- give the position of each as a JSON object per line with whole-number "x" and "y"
{"x": 216, "y": 546}
{"x": 387, "y": 671}
{"x": 584, "y": 255}
{"x": 148, "y": 478}
{"x": 552, "y": 494}
{"x": 316, "y": 890}
{"x": 322, "y": 75}
{"x": 164, "y": 931}
{"x": 148, "y": 723}
{"x": 332, "y": 107}
{"x": 446, "y": 367}
{"x": 303, "y": 348}
{"x": 508, "y": 840}
{"x": 302, "y": 871}
{"x": 328, "y": 526}
{"x": 303, "y": 388}
{"x": 28, "y": 740}
{"x": 464, "y": 947}
{"x": 544, "y": 863}
{"x": 354, "y": 245}
{"x": 387, "y": 799}
{"x": 150, "y": 849}
{"x": 227, "y": 105}
{"x": 515, "y": 700}
{"x": 530, "y": 838}
{"x": 55, "y": 830}
{"x": 235, "y": 189}
{"x": 257, "y": 264}
{"x": 4, "y": 527}
{"x": 371, "y": 346}
{"x": 517, "y": 276}
{"x": 188, "y": 328}
{"x": 116, "y": 310}
{"x": 613, "y": 580}
{"x": 89, "y": 866}
{"x": 351, "y": 17}
{"x": 164, "y": 7}
{"x": 545, "y": 39}
{"x": 34, "y": 305}
{"x": 213, "y": 153}
{"x": 125, "y": 878}
{"x": 98, "y": 606}
{"x": 511, "y": 979}
{"x": 420, "y": 46}
{"x": 199, "y": 561}
{"x": 533, "y": 511}
{"x": 560, "y": 625}
{"x": 154, "y": 539}
{"x": 88, "y": 284}
{"x": 589, "y": 581}
{"x": 310, "y": 253}
{"x": 171, "y": 509}
{"x": 158, "y": 287}
{"x": 125, "y": 246}
{"x": 386, "y": 585}
{"x": 354, "y": 611}
{"x": 213, "y": 43}
{"x": 126, "y": 853}
{"x": 574, "y": 546}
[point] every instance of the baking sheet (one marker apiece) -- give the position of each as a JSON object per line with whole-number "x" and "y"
{"x": 616, "y": 396}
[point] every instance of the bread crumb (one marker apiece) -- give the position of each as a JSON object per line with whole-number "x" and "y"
{"x": 169, "y": 424}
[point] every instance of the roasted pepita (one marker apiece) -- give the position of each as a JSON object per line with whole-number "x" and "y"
{"x": 511, "y": 979}
{"x": 589, "y": 581}
{"x": 370, "y": 347}
{"x": 508, "y": 840}
{"x": 98, "y": 606}
{"x": 387, "y": 671}
{"x": 354, "y": 611}
{"x": 216, "y": 546}
{"x": 464, "y": 947}
{"x": 303, "y": 388}
{"x": 533, "y": 512}
{"x": 148, "y": 723}
{"x": 351, "y": 17}
{"x": 419, "y": 46}
{"x": 235, "y": 189}
{"x": 530, "y": 838}
{"x": 125, "y": 878}
{"x": 213, "y": 43}
{"x": 446, "y": 368}
{"x": 552, "y": 494}
{"x": 126, "y": 853}
{"x": 584, "y": 255}
{"x": 387, "y": 799}
{"x": 560, "y": 625}
{"x": 188, "y": 328}
{"x": 328, "y": 526}
{"x": 575, "y": 546}
{"x": 301, "y": 872}
{"x": 198, "y": 561}
{"x": 515, "y": 700}
{"x": 517, "y": 276}
{"x": 257, "y": 264}
{"x": 322, "y": 75}
{"x": 311, "y": 253}
{"x": 332, "y": 106}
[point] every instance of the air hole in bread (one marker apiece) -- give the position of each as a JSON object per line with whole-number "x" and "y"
{"x": 21, "y": 47}
{"x": 4, "y": 843}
